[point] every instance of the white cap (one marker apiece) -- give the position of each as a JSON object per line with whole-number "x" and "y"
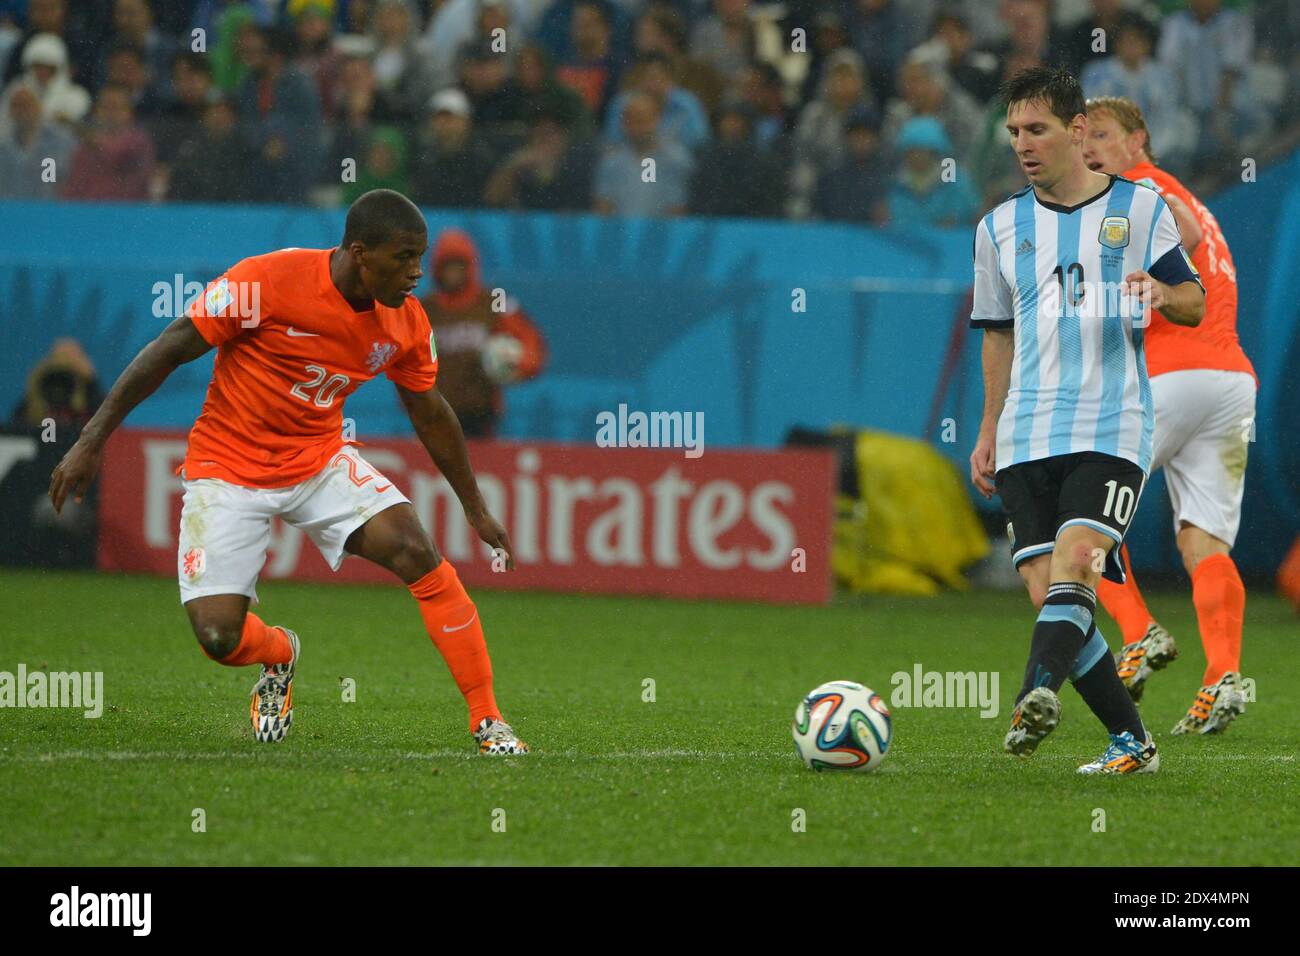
{"x": 45, "y": 49}
{"x": 451, "y": 100}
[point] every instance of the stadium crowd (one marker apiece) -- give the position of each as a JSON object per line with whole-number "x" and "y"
{"x": 838, "y": 109}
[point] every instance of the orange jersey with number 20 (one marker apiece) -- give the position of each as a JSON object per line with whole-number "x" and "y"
{"x": 290, "y": 350}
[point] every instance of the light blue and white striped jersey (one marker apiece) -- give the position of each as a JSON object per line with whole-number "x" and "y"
{"x": 1052, "y": 274}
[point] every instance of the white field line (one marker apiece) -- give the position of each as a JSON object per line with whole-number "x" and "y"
{"x": 378, "y": 755}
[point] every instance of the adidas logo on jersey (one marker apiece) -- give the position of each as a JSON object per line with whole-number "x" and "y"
{"x": 1024, "y": 247}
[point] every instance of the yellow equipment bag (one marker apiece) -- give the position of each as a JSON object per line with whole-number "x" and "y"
{"x": 913, "y": 529}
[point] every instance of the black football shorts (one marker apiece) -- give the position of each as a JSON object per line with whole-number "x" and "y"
{"x": 1090, "y": 488}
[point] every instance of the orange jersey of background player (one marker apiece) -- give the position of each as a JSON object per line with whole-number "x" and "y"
{"x": 290, "y": 350}
{"x": 1213, "y": 344}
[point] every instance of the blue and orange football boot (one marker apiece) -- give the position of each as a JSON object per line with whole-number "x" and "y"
{"x": 1125, "y": 755}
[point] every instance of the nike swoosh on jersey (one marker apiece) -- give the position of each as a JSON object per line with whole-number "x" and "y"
{"x": 460, "y": 627}
{"x": 295, "y": 334}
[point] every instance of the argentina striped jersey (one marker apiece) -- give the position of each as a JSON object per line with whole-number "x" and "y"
{"x": 1052, "y": 274}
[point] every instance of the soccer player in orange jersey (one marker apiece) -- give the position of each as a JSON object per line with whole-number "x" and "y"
{"x": 1203, "y": 387}
{"x": 296, "y": 332}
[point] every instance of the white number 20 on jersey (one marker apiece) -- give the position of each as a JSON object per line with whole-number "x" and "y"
{"x": 326, "y": 385}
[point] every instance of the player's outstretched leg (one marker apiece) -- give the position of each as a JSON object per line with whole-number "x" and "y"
{"x": 395, "y": 539}
{"x": 1131, "y": 749}
{"x": 1148, "y": 647}
{"x": 1059, "y": 635}
{"x": 235, "y": 637}
{"x": 451, "y": 618}
{"x": 1220, "y": 600}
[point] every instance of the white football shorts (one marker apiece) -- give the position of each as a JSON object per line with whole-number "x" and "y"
{"x": 226, "y": 528}
{"x": 1205, "y": 422}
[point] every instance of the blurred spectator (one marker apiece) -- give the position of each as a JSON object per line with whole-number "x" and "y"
{"x": 1029, "y": 34}
{"x": 314, "y": 52}
{"x": 920, "y": 196}
{"x": 133, "y": 27}
{"x": 384, "y": 166}
{"x": 62, "y": 386}
{"x": 32, "y": 140}
{"x": 553, "y": 170}
{"x": 114, "y": 160}
{"x": 725, "y": 41}
{"x": 468, "y": 325}
{"x": 882, "y": 31}
{"x": 182, "y": 118}
{"x": 763, "y": 91}
{"x": 453, "y": 165}
{"x": 457, "y": 23}
{"x": 51, "y": 16}
{"x": 819, "y": 135}
{"x": 926, "y": 89}
{"x": 952, "y": 44}
{"x": 10, "y": 37}
{"x": 1204, "y": 52}
{"x": 592, "y": 70}
{"x": 485, "y": 78}
{"x": 854, "y": 191}
{"x": 214, "y": 164}
{"x": 1076, "y": 47}
{"x": 660, "y": 30}
{"x": 734, "y": 176}
{"x": 625, "y": 185}
{"x": 125, "y": 66}
{"x": 828, "y": 35}
{"x": 280, "y": 112}
{"x": 1131, "y": 72}
{"x": 681, "y": 116}
{"x": 225, "y": 43}
{"x": 541, "y": 94}
{"x": 355, "y": 104}
{"x": 555, "y": 28}
{"x": 45, "y": 73}
{"x": 404, "y": 85}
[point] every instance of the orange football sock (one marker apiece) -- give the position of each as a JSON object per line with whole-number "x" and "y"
{"x": 1288, "y": 575}
{"x": 1124, "y": 603}
{"x": 1220, "y": 600}
{"x": 258, "y": 644}
{"x": 452, "y": 622}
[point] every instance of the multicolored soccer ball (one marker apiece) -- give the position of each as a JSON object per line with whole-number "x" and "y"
{"x": 842, "y": 726}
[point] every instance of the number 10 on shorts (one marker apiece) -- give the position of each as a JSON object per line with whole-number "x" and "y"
{"x": 1122, "y": 499}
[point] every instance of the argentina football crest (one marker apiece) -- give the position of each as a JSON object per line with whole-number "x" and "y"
{"x": 1114, "y": 232}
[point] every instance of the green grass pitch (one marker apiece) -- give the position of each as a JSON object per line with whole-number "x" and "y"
{"x": 705, "y": 774}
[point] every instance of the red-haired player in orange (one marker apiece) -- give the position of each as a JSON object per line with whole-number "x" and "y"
{"x": 296, "y": 332}
{"x": 1203, "y": 388}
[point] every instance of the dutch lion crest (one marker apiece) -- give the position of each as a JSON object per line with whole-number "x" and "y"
{"x": 380, "y": 354}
